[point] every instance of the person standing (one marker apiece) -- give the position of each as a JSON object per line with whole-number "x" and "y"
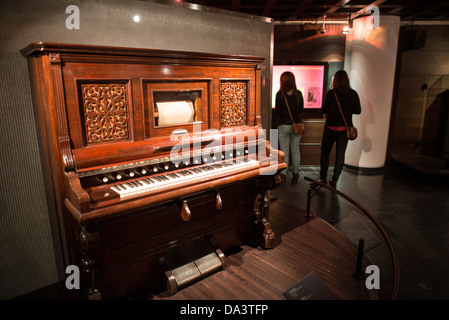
{"x": 288, "y": 140}
{"x": 334, "y": 127}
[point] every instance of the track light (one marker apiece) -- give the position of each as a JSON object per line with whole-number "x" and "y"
{"x": 348, "y": 26}
{"x": 323, "y": 30}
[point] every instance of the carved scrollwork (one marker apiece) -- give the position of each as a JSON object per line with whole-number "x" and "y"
{"x": 106, "y": 112}
{"x": 66, "y": 152}
{"x": 233, "y": 103}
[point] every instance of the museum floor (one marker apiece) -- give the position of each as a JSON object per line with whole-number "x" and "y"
{"x": 414, "y": 211}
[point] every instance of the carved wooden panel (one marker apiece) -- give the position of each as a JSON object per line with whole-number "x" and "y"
{"x": 106, "y": 112}
{"x": 233, "y": 103}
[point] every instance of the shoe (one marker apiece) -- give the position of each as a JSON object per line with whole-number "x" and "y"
{"x": 295, "y": 178}
{"x": 283, "y": 178}
{"x": 333, "y": 183}
{"x": 314, "y": 185}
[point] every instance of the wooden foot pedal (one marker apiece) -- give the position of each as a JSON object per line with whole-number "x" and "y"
{"x": 191, "y": 261}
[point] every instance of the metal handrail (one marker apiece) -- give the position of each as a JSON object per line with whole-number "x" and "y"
{"x": 396, "y": 272}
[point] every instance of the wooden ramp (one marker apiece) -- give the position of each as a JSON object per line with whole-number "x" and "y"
{"x": 302, "y": 246}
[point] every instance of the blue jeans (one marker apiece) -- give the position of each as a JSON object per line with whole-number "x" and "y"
{"x": 289, "y": 142}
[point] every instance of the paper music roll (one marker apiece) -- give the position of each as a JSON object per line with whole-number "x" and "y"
{"x": 175, "y": 112}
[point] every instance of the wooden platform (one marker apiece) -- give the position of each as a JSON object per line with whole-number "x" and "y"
{"x": 302, "y": 246}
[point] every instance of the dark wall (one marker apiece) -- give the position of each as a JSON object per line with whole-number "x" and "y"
{"x": 305, "y": 43}
{"x": 421, "y": 76}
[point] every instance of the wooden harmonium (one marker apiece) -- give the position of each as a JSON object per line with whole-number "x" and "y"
{"x": 148, "y": 154}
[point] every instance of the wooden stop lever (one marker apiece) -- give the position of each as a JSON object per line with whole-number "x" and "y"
{"x": 218, "y": 202}
{"x": 186, "y": 215}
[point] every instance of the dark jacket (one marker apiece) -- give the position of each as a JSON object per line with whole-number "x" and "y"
{"x": 296, "y": 108}
{"x": 349, "y": 102}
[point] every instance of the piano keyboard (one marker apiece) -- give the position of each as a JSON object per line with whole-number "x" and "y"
{"x": 182, "y": 177}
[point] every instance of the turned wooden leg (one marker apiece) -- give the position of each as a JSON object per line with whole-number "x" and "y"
{"x": 87, "y": 241}
{"x": 267, "y": 234}
{"x": 88, "y": 269}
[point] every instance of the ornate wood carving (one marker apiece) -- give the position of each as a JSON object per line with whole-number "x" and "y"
{"x": 233, "y": 103}
{"x": 106, "y": 112}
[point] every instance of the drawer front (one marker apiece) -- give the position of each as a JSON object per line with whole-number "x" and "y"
{"x": 152, "y": 230}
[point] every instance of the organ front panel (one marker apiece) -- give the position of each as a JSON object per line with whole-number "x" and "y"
{"x": 151, "y": 157}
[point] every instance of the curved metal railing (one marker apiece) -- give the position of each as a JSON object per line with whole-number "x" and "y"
{"x": 395, "y": 263}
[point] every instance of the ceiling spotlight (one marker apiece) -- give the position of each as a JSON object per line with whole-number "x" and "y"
{"x": 323, "y": 30}
{"x": 136, "y": 18}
